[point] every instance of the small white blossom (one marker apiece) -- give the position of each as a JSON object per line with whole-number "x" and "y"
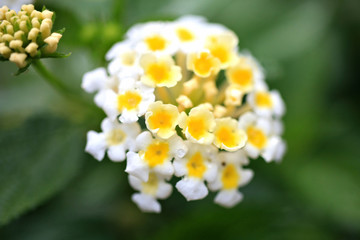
{"x": 130, "y": 102}
{"x": 266, "y": 103}
{"x": 154, "y": 154}
{"x": 151, "y": 190}
{"x": 115, "y": 137}
{"x": 94, "y": 80}
{"x": 195, "y": 167}
{"x": 124, "y": 60}
{"x": 231, "y": 176}
{"x": 153, "y": 37}
{"x": 263, "y": 138}
{"x": 189, "y": 32}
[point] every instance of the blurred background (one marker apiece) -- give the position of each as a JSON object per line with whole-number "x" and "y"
{"x": 310, "y": 49}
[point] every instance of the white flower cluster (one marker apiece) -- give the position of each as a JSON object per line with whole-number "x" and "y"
{"x": 205, "y": 106}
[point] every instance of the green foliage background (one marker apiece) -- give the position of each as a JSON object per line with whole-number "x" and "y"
{"x": 51, "y": 189}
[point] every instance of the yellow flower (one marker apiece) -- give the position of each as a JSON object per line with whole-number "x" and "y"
{"x": 161, "y": 119}
{"x": 203, "y": 64}
{"x": 228, "y": 135}
{"x": 159, "y": 71}
{"x": 198, "y": 126}
{"x": 241, "y": 75}
{"x": 223, "y": 47}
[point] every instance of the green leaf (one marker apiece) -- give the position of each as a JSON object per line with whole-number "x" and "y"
{"x": 21, "y": 70}
{"x": 61, "y": 31}
{"x": 37, "y": 160}
{"x": 56, "y": 55}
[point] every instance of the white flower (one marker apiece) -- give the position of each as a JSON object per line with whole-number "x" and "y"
{"x": 263, "y": 136}
{"x": 152, "y": 37}
{"x": 230, "y": 177}
{"x": 130, "y": 102}
{"x": 196, "y": 167}
{"x": 246, "y": 74}
{"x": 15, "y": 4}
{"x": 154, "y": 155}
{"x": 94, "y": 80}
{"x": 115, "y": 137}
{"x": 124, "y": 60}
{"x": 97, "y": 80}
{"x": 189, "y": 32}
{"x": 266, "y": 103}
{"x": 151, "y": 190}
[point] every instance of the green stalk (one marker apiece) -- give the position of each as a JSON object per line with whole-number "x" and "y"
{"x": 51, "y": 79}
{"x": 68, "y": 93}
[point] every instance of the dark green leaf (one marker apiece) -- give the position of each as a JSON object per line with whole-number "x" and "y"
{"x": 61, "y": 31}
{"x": 37, "y": 160}
{"x": 21, "y": 70}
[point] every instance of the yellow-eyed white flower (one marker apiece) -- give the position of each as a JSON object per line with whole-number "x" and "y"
{"x": 154, "y": 155}
{"x": 151, "y": 190}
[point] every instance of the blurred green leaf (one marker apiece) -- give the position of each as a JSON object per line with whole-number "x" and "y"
{"x": 331, "y": 189}
{"x": 86, "y": 10}
{"x": 297, "y": 31}
{"x": 37, "y": 160}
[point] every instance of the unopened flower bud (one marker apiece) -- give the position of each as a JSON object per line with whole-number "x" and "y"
{"x": 24, "y": 18}
{"x": 184, "y": 101}
{"x": 32, "y": 49}
{"x": 18, "y": 35}
{"x": 10, "y": 29}
{"x": 23, "y": 26}
{"x": 45, "y": 29}
{"x": 52, "y": 42}
{"x": 10, "y": 14}
{"x": 36, "y": 14}
{"x": 29, "y": 8}
{"x": 35, "y": 23}
{"x": 7, "y": 37}
{"x": 18, "y": 59}
{"x": 190, "y": 86}
{"x": 5, "y": 51}
{"x": 16, "y": 45}
{"x": 219, "y": 111}
{"x": 33, "y": 34}
{"x": 47, "y": 14}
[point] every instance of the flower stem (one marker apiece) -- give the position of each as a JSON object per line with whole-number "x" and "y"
{"x": 68, "y": 93}
{"x": 51, "y": 79}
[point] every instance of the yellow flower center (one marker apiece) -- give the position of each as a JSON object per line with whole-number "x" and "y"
{"x": 158, "y": 72}
{"x": 115, "y": 137}
{"x": 161, "y": 119}
{"x": 220, "y": 52}
{"x": 204, "y": 64}
{"x": 196, "y": 166}
{"x": 256, "y": 137}
{"x": 263, "y": 99}
{"x": 230, "y": 177}
{"x": 184, "y": 35}
{"x": 227, "y": 136}
{"x": 156, "y": 43}
{"x": 156, "y": 153}
{"x": 151, "y": 186}
{"x": 197, "y": 127}
{"x": 242, "y": 77}
{"x": 129, "y": 100}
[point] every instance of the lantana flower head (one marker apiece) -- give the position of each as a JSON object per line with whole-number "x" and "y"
{"x": 26, "y": 34}
{"x": 204, "y": 107}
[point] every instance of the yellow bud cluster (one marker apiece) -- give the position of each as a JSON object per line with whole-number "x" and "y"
{"x": 26, "y": 33}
